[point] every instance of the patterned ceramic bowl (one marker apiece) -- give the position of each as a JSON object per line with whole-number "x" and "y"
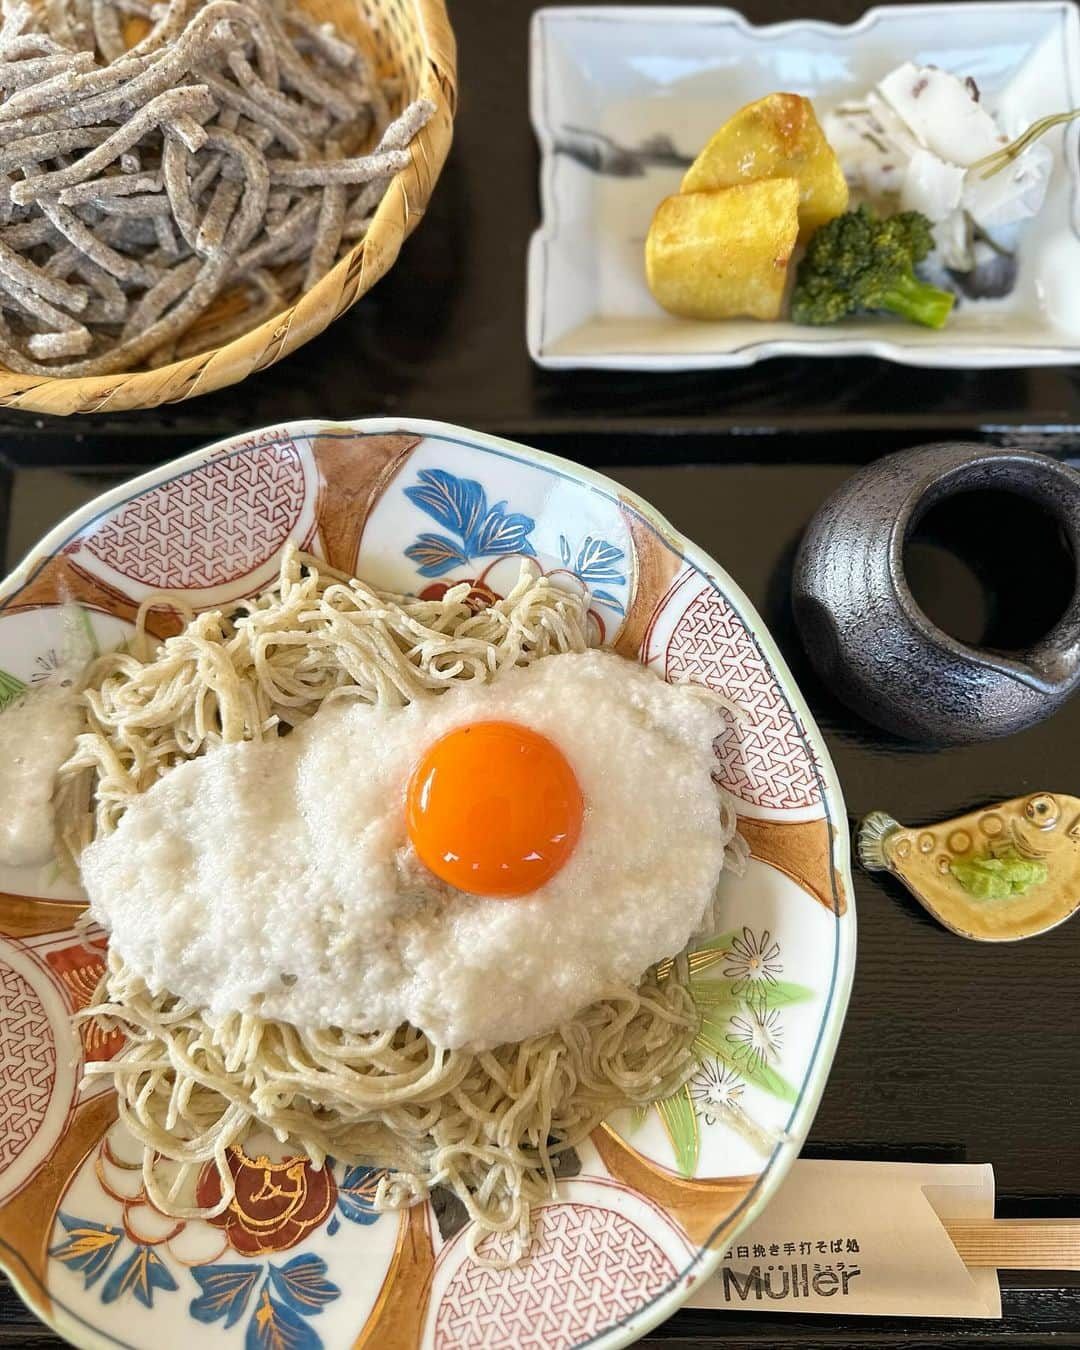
{"x": 301, "y": 1260}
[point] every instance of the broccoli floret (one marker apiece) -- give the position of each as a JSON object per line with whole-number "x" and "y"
{"x": 858, "y": 262}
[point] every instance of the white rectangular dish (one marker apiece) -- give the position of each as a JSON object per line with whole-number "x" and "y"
{"x": 623, "y": 97}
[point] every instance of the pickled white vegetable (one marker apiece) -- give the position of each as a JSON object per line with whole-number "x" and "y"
{"x": 942, "y": 112}
{"x": 919, "y": 140}
{"x": 1015, "y": 193}
{"x": 932, "y": 186}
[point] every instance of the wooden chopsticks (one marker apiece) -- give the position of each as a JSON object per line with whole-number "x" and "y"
{"x": 1018, "y": 1244}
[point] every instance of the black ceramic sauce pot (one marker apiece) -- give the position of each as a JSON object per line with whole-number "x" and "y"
{"x": 874, "y": 646}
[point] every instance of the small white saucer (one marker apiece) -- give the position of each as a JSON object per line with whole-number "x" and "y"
{"x": 624, "y": 97}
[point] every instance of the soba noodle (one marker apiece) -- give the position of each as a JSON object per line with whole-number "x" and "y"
{"x": 487, "y": 1125}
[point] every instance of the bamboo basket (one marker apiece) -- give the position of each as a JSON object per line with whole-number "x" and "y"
{"x": 413, "y": 40}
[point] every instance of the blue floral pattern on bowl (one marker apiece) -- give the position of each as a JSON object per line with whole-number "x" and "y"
{"x": 596, "y": 564}
{"x": 460, "y": 505}
{"x": 288, "y": 1296}
{"x": 90, "y": 1247}
{"x": 275, "y": 1301}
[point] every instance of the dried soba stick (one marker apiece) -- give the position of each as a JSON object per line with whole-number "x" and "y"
{"x": 230, "y": 148}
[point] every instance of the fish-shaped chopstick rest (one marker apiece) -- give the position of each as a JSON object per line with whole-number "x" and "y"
{"x": 997, "y": 875}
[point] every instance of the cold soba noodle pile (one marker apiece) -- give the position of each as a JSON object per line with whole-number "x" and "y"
{"x": 286, "y": 950}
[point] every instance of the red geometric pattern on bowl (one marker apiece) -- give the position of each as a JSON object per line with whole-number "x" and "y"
{"x": 27, "y": 1064}
{"x": 763, "y": 758}
{"x": 592, "y": 1267}
{"x": 210, "y": 526}
{"x": 79, "y": 967}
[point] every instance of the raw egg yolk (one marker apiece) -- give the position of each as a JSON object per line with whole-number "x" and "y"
{"x": 494, "y": 809}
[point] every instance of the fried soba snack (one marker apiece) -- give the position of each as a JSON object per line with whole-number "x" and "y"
{"x": 236, "y": 146}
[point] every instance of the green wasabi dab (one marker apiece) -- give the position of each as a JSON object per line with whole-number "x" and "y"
{"x": 998, "y": 878}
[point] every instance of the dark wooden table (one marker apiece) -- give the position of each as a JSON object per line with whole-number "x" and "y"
{"x": 952, "y": 1052}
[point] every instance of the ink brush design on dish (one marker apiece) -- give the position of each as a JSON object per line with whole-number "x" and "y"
{"x": 602, "y": 154}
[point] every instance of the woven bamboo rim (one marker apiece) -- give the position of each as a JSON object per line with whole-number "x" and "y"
{"x": 415, "y": 40}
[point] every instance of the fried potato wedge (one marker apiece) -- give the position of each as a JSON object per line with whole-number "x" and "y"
{"x": 721, "y": 254}
{"x": 776, "y": 137}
